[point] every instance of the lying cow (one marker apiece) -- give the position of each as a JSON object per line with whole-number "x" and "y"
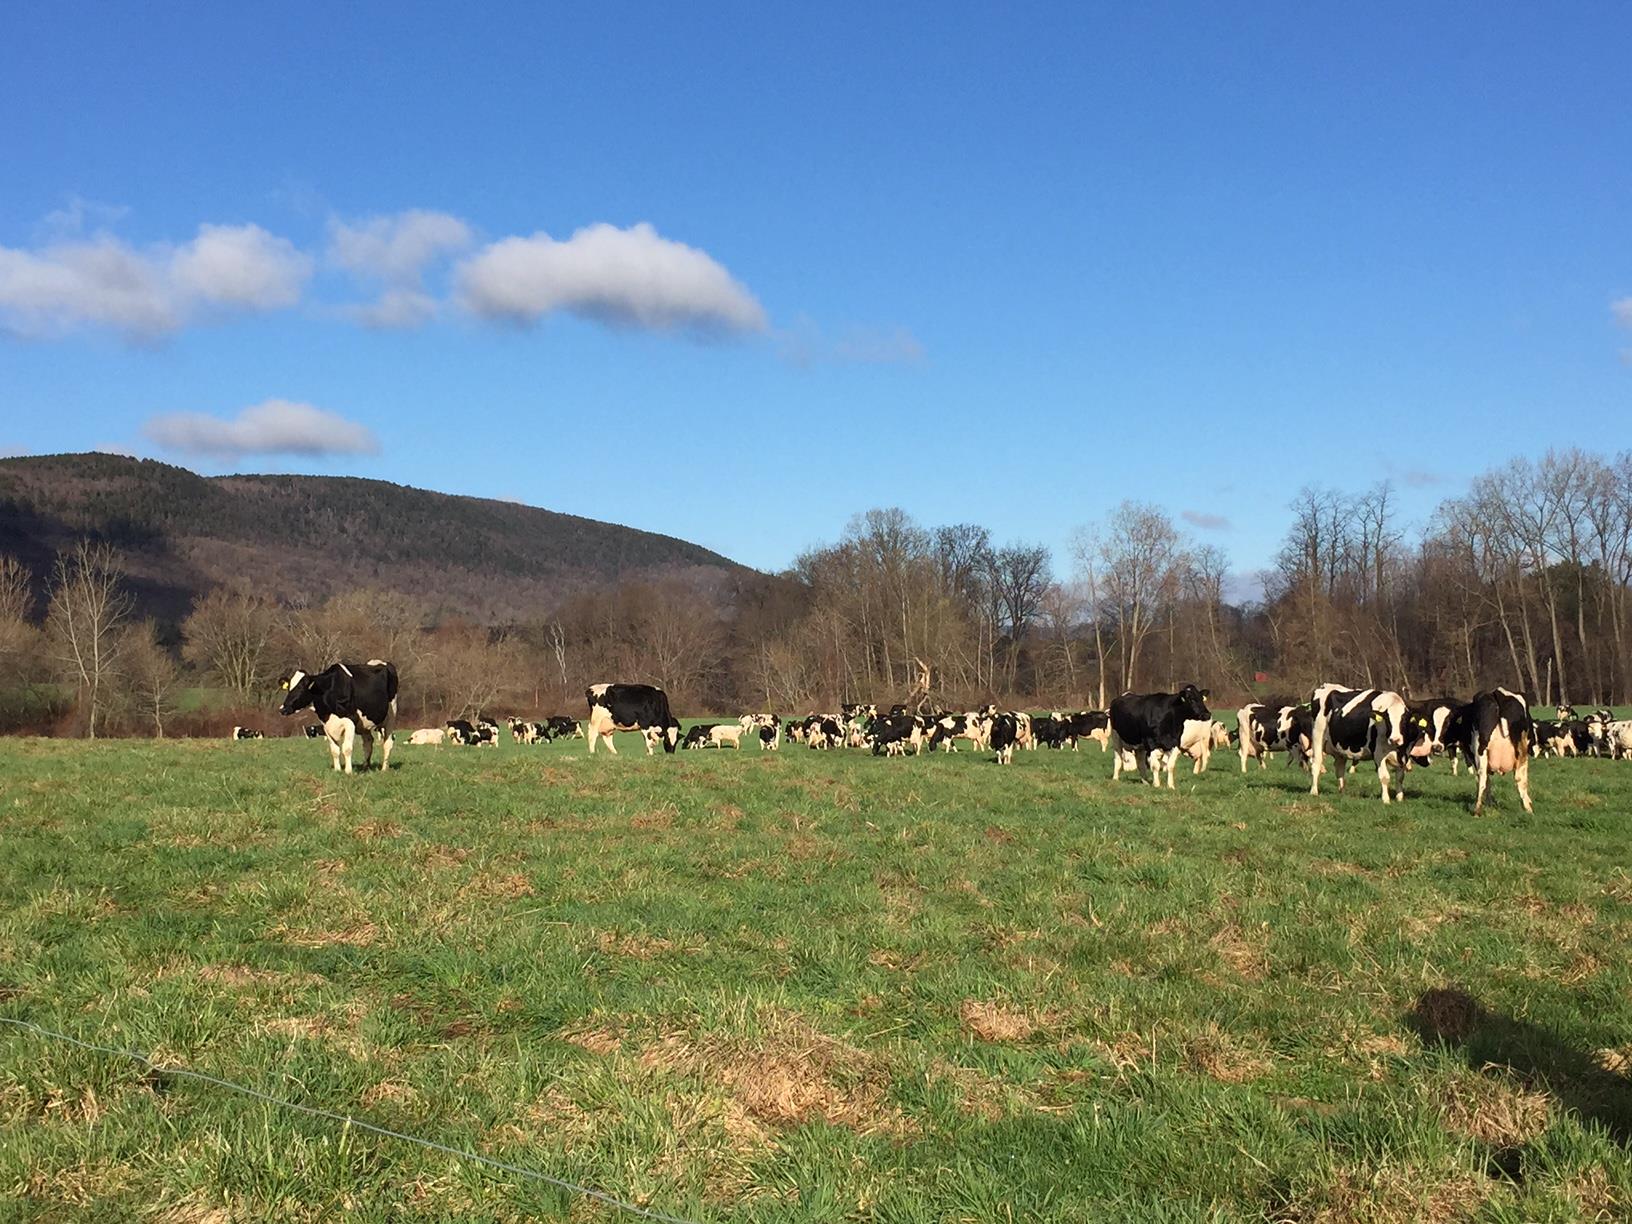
{"x": 245, "y": 733}
{"x": 429, "y": 736}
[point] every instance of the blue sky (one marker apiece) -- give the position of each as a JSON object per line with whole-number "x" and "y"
{"x": 1010, "y": 265}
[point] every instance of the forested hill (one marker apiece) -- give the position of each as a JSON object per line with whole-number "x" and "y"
{"x": 302, "y": 538}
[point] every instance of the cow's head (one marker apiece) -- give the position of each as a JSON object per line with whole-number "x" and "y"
{"x": 1193, "y": 703}
{"x": 297, "y": 693}
{"x": 1417, "y": 737}
{"x": 1391, "y": 717}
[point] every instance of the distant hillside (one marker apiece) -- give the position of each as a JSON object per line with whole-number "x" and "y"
{"x": 308, "y": 537}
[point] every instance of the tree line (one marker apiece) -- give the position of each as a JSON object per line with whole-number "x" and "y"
{"x": 1523, "y": 581}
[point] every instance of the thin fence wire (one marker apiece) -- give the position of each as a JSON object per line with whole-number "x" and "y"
{"x": 599, "y": 1196}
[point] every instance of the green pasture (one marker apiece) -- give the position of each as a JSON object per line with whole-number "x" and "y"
{"x": 808, "y": 986}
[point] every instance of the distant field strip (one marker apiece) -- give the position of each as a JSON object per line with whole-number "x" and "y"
{"x": 807, "y": 986}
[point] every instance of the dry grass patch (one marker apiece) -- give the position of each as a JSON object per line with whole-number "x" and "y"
{"x": 495, "y": 887}
{"x": 372, "y": 830}
{"x": 1243, "y": 954}
{"x": 1393, "y": 1194}
{"x": 993, "y": 1021}
{"x": 790, "y": 1073}
{"x": 1493, "y": 1110}
{"x": 1214, "y": 1053}
{"x": 357, "y": 935}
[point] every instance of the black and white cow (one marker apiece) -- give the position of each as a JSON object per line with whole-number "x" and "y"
{"x": 895, "y": 735}
{"x": 1088, "y": 724}
{"x": 1437, "y": 710}
{"x": 770, "y": 737}
{"x": 1493, "y": 733}
{"x": 245, "y": 733}
{"x": 1258, "y": 730}
{"x": 562, "y": 727}
{"x": 1002, "y": 735}
{"x": 354, "y": 700}
{"x": 630, "y": 707}
{"x": 460, "y": 731}
{"x": 1354, "y": 724}
{"x": 1150, "y": 726}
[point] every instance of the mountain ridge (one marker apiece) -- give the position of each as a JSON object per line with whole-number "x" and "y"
{"x": 303, "y": 538}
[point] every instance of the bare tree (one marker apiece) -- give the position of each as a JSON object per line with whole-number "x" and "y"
{"x": 20, "y": 646}
{"x": 1142, "y": 556}
{"x": 230, "y": 635}
{"x": 89, "y": 606}
{"x": 151, "y": 675}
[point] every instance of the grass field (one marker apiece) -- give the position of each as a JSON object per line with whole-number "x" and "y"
{"x": 809, "y": 986}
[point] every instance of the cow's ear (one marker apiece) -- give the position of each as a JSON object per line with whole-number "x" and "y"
{"x": 284, "y": 686}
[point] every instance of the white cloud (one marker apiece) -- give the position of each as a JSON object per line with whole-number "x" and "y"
{"x": 275, "y": 427}
{"x": 396, "y": 248}
{"x": 395, "y": 308}
{"x": 1205, "y": 520}
{"x": 1621, "y": 311}
{"x": 632, "y": 277}
{"x": 241, "y": 266}
{"x": 102, "y": 281}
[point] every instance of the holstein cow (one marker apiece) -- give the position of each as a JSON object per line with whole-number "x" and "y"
{"x": 1200, "y": 737}
{"x": 1004, "y": 734}
{"x": 353, "y": 700}
{"x": 1352, "y": 724}
{"x": 630, "y": 707}
{"x": 1258, "y": 730}
{"x": 239, "y": 733}
{"x": 895, "y": 734}
{"x": 1149, "y": 726}
{"x": 562, "y": 727}
{"x": 1493, "y": 733}
{"x": 1089, "y": 724}
{"x": 429, "y": 735}
{"x": 1437, "y": 710}
{"x": 460, "y": 731}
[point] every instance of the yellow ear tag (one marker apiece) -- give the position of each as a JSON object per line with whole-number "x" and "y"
{"x": 1376, "y": 716}
{"x": 284, "y": 685}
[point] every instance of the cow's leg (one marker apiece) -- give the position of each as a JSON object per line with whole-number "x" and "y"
{"x": 348, "y": 743}
{"x": 333, "y": 738}
{"x": 1482, "y": 769}
{"x": 1340, "y": 767}
{"x": 385, "y": 748}
{"x": 367, "y": 737}
{"x": 1521, "y": 777}
{"x": 648, "y": 740}
{"x": 1382, "y": 773}
{"x": 1317, "y": 748}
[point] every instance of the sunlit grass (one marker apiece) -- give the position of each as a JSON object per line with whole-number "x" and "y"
{"x": 809, "y": 986}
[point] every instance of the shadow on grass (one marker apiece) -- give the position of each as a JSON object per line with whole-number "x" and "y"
{"x": 1455, "y": 1020}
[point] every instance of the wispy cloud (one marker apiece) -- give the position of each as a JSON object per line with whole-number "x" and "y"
{"x": 806, "y": 344}
{"x": 628, "y": 277}
{"x": 1621, "y": 311}
{"x": 102, "y": 281}
{"x": 1204, "y": 520}
{"x": 395, "y": 251}
{"x": 275, "y": 427}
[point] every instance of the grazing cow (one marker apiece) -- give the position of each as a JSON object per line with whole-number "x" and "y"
{"x": 1004, "y": 735}
{"x": 523, "y": 732}
{"x": 697, "y": 736}
{"x": 429, "y": 735}
{"x": 1352, "y": 724}
{"x": 1552, "y": 739}
{"x": 854, "y": 714}
{"x": 824, "y": 732}
{"x": 770, "y": 738}
{"x": 239, "y": 733}
{"x": 562, "y": 727}
{"x": 460, "y": 731}
{"x": 353, "y": 700}
{"x": 630, "y": 707}
{"x": 314, "y": 730}
{"x": 1149, "y": 726}
{"x": 893, "y": 735}
{"x": 1493, "y": 732}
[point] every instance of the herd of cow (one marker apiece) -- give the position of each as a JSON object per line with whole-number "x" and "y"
{"x": 1147, "y": 733}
